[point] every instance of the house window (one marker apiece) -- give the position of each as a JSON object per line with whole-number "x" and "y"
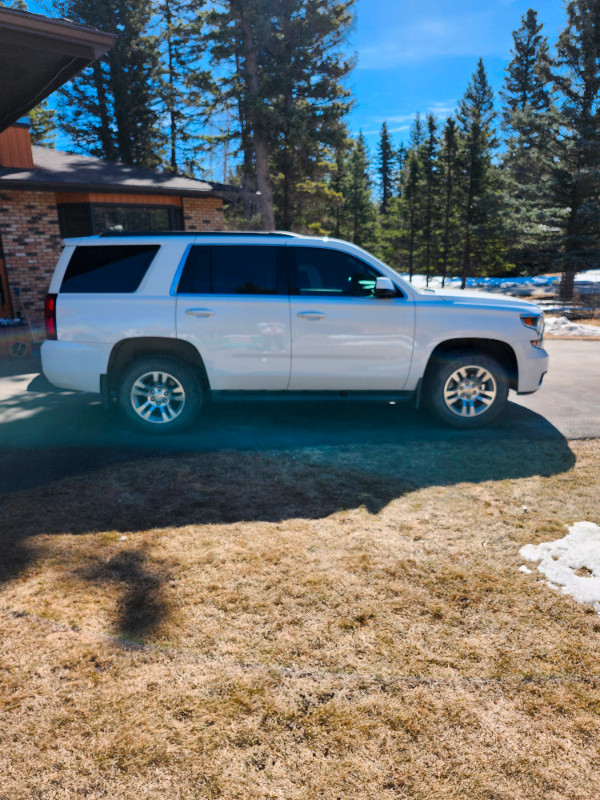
{"x": 75, "y": 219}
{"x": 134, "y": 219}
{"x": 86, "y": 219}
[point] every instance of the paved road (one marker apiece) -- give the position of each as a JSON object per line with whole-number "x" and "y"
{"x": 44, "y": 436}
{"x": 570, "y": 396}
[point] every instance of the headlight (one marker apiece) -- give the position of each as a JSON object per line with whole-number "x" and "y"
{"x": 535, "y": 322}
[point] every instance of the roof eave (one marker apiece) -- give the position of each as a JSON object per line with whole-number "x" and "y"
{"x": 59, "y": 186}
{"x": 48, "y": 52}
{"x": 97, "y": 42}
{"x": 220, "y": 190}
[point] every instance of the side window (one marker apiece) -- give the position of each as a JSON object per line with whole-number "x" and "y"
{"x": 229, "y": 269}
{"x": 110, "y": 268}
{"x": 331, "y": 273}
{"x": 195, "y": 278}
{"x": 244, "y": 270}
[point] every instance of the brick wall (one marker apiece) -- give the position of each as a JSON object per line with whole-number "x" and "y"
{"x": 203, "y": 214}
{"x": 31, "y": 243}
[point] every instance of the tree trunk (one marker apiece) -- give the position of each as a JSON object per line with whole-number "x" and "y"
{"x": 259, "y": 135}
{"x": 566, "y": 288}
{"x": 106, "y": 139}
{"x": 466, "y": 265}
{"x": 411, "y": 245}
{"x": 446, "y": 231}
{"x": 171, "y": 102}
{"x": 429, "y": 212}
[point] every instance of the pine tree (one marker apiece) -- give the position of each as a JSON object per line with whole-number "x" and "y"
{"x": 429, "y": 162}
{"x": 112, "y": 109}
{"x": 400, "y": 161}
{"x": 475, "y": 116}
{"x": 359, "y": 211}
{"x": 337, "y": 181}
{"x": 412, "y": 193}
{"x": 416, "y": 136}
{"x": 412, "y": 201}
{"x": 185, "y": 81}
{"x": 43, "y": 128}
{"x": 578, "y": 177}
{"x": 450, "y": 166}
{"x": 385, "y": 168}
{"x": 530, "y": 120}
{"x": 393, "y": 235}
{"x": 286, "y": 65}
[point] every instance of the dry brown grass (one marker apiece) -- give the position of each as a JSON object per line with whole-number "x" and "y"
{"x": 343, "y": 622}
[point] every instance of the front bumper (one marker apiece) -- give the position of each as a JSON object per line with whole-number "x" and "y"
{"x": 532, "y": 369}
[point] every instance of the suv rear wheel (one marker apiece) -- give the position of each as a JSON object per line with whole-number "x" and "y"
{"x": 160, "y": 395}
{"x": 468, "y": 389}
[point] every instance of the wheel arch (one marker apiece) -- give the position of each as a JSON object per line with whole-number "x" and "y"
{"x": 501, "y": 351}
{"x": 127, "y": 351}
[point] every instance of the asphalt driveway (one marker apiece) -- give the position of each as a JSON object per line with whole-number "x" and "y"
{"x": 44, "y": 436}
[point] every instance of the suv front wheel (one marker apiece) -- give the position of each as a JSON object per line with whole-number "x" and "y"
{"x": 467, "y": 389}
{"x": 160, "y": 395}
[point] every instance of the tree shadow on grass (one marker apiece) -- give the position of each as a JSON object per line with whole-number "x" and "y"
{"x": 141, "y": 605}
{"x": 243, "y": 485}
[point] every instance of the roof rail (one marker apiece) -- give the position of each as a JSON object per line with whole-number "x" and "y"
{"x": 233, "y": 234}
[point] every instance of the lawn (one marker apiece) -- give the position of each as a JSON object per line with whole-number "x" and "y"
{"x": 339, "y": 622}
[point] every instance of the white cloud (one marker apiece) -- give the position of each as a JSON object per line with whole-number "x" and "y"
{"x": 443, "y": 109}
{"x": 397, "y": 119}
{"x": 439, "y": 109}
{"x": 462, "y": 35}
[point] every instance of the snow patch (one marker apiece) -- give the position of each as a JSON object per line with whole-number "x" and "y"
{"x": 562, "y": 326}
{"x": 571, "y": 564}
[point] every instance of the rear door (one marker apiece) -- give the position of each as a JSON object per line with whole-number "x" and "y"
{"x": 232, "y": 305}
{"x": 343, "y": 336}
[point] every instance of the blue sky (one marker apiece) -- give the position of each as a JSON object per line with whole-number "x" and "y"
{"x": 419, "y": 55}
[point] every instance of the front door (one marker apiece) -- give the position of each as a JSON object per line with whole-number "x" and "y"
{"x": 343, "y": 336}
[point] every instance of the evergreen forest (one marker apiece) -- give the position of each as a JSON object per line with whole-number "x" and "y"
{"x": 254, "y": 94}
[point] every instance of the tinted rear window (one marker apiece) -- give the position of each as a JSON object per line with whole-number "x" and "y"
{"x": 111, "y": 268}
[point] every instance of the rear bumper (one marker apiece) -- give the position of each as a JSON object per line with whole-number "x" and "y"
{"x": 68, "y": 365}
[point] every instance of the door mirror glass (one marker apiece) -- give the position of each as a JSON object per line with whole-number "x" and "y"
{"x": 384, "y": 287}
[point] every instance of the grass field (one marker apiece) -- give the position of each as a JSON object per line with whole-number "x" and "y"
{"x": 344, "y": 622}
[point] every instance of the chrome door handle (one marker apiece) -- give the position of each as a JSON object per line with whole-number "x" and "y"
{"x": 199, "y": 312}
{"x": 311, "y": 314}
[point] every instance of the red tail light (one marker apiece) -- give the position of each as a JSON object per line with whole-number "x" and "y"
{"x": 50, "y": 316}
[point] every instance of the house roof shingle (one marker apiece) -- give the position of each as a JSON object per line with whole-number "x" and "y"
{"x": 55, "y": 170}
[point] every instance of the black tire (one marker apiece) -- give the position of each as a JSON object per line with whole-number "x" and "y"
{"x": 160, "y": 395}
{"x": 467, "y": 389}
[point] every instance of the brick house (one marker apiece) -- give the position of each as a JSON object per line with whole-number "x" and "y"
{"x": 47, "y": 195}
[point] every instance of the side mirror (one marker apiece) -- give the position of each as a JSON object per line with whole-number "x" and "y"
{"x": 384, "y": 287}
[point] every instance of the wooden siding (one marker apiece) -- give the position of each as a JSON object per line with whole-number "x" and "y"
{"x": 118, "y": 198}
{"x": 15, "y": 147}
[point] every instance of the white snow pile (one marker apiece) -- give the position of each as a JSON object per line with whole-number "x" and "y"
{"x": 561, "y": 326}
{"x": 571, "y": 564}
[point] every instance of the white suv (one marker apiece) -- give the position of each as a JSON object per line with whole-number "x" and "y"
{"x": 160, "y": 322}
